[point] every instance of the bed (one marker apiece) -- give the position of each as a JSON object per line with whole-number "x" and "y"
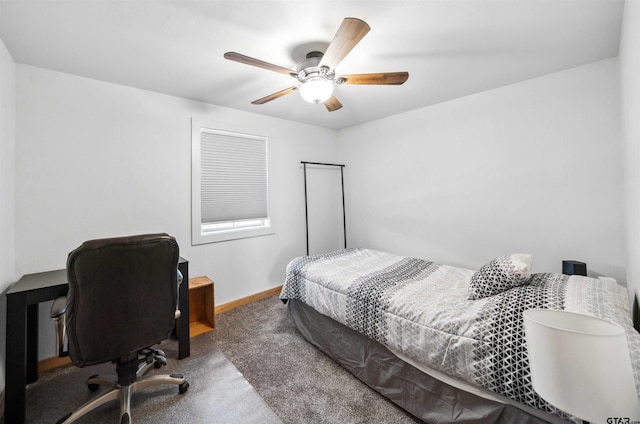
{"x": 445, "y": 343}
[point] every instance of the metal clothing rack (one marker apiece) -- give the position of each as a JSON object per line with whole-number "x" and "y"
{"x": 306, "y": 207}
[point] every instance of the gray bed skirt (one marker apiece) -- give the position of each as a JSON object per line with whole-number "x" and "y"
{"x": 416, "y": 392}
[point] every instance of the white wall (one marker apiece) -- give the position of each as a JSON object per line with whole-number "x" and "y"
{"x": 630, "y": 89}
{"x": 7, "y": 167}
{"x": 7, "y": 186}
{"x": 534, "y": 167}
{"x": 94, "y": 159}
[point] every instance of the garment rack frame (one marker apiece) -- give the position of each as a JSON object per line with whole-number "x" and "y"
{"x": 306, "y": 205}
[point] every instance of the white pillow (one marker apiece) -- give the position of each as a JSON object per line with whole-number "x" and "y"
{"x": 501, "y": 274}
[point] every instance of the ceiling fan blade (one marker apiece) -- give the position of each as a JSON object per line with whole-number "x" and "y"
{"x": 274, "y": 96}
{"x": 237, "y": 57}
{"x": 386, "y": 78}
{"x": 333, "y": 104}
{"x": 349, "y": 34}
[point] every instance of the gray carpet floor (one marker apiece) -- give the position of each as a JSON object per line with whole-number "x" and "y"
{"x": 255, "y": 367}
{"x": 218, "y": 393}
{"x": 300, "y": 383}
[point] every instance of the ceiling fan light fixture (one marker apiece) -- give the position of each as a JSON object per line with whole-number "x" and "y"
{"x": 316, "y": 90}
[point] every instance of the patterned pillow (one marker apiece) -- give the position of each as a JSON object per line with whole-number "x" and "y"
{"x": 500, "y": 274}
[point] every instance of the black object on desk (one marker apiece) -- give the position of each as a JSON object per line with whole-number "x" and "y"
{"x": 574, "y": 268}
{"x": 23, "y": 297}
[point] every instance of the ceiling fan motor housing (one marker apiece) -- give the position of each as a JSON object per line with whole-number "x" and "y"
{"x": 309, "y": 68}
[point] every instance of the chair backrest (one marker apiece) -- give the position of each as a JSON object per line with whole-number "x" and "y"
{"x": 122, "y": 296}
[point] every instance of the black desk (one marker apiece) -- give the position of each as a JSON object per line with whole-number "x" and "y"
{"x": 23, "y": 298}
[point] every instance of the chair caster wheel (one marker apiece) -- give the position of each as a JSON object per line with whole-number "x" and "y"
{"x": 182, "y": 388}
{"x": 125, "y": 419}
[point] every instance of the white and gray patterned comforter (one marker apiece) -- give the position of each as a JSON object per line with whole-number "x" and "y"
{"x": 420, "y": 309}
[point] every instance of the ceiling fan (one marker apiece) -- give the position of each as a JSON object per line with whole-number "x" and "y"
{"x": 316, "y": 73}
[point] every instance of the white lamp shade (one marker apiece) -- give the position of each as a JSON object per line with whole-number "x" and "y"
{"x": 316, "y": 90}
{"x": 581, "y": 365}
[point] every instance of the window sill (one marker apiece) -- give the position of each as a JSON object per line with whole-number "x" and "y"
{"x": 235, "y": 234}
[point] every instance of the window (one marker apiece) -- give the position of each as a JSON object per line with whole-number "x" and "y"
{"x": 229, "y": 185}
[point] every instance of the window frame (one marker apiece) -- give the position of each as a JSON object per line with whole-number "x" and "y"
{"x": 227, "y": 230}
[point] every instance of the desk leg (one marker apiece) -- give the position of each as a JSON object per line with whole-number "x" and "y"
{"x": 32, "y": 343}
{"x": 15, "y": 367}
{"x": 184, "y": 342}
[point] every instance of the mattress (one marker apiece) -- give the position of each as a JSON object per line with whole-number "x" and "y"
{"x": 419, "y": 310}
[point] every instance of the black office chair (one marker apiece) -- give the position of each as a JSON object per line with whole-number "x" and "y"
{"x": 122, "y": 300}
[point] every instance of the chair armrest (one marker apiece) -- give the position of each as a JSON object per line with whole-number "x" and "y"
{"x": 180, "y": 278}
{"x": 59, "y": 307}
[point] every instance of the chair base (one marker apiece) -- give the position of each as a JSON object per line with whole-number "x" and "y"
{"x": 123, "y": 393}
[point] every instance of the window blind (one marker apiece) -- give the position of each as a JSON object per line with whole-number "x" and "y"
{"x": 234, "y": 177}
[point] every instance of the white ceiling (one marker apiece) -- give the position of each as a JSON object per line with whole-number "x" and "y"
{"x": 451, "y": 48}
